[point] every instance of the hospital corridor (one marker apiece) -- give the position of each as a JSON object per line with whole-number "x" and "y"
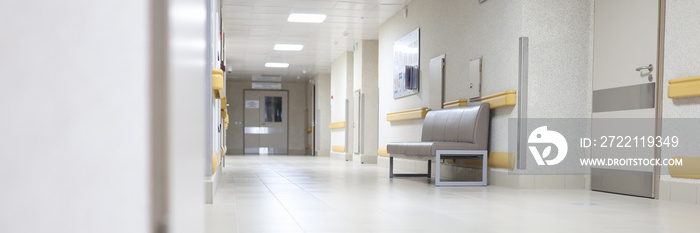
{"x": 349, "y": 116}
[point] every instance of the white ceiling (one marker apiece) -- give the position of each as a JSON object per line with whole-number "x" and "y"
{"x": 253, "y": 27}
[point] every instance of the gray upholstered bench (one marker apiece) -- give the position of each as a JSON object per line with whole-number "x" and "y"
{"x": 456, "y": 133}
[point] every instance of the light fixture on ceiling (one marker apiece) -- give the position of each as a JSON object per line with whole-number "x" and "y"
{"x": 306, "y": 18}
{"x": 276, "y": 65}
{"x": 289, "y": 47}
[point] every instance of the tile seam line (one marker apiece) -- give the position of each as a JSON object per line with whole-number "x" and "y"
{"x": 279, "y": 201}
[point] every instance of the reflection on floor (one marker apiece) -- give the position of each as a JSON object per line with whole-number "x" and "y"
{"x": 316, "y": 194}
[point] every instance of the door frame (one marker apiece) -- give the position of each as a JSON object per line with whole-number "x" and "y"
{"x": 313, "y": 119}
{"x": 357, "y": 122}
{"x": 243, "y": 111}
{"x": 659, "y": 91}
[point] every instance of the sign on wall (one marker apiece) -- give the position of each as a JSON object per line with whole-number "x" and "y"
{"x": 252, "y": 104}
{"x": 270, "y": 86}
{"x": 406, "y": 64}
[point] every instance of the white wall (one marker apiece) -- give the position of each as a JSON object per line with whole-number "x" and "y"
{"x": 682, "y": 59}
{"x": 560, "y": 57}
{"x": 188, "y": 80}
{"x": 357, "y": 66}
{"x": 365, "y": 63}
{"x": 341, "y": 90}
{"x": 75, "y": 114}
{"x": 79, "y": 109}
{"x": 350, "y": 110}
{"x": 560, "y": 65}
{"x": 463, "y": 30}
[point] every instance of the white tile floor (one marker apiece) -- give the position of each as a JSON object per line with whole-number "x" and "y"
{"x": 316, "y": 194}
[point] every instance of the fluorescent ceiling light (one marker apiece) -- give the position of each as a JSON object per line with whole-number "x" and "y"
{"x": 276, "y": 65}
{"x": 289, "y": 47}
{"x": 306, "y": 18}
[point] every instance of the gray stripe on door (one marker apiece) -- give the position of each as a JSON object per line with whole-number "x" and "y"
{"x": 624, "y": 98}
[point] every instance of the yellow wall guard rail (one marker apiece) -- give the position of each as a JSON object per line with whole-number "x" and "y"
{"x": 418, "y": 113}
{"x": 684, "y": 87}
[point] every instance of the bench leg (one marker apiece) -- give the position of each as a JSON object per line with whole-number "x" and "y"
{"x": 484, "y": 171}
{"x": 392, "y": 175}
{"x": 429, "y": 168}
{"x": 391, "y": 167}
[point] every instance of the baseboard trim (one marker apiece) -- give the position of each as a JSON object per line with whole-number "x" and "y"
{"x": 680, "y": 190}
{"x": 297, "y": 152}
{"x": 211, "y": 185}
{"x": 364, "y": 159}
{"x": 339, "y": 156}
{"x": 235, "y": 151}
{"x": 325, "y": 153}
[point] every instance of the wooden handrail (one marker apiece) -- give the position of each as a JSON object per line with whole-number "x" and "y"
{"x": 337, "y": 125}
{"x": 455, "y": 103}
{"x": 501, "y": 99}
{"x": 418, "y": 113}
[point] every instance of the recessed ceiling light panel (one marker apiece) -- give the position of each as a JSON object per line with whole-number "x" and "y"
{"x": 276, "y": 65}
{"x": 306, "y": 18}
{"x": 289, "y": 47}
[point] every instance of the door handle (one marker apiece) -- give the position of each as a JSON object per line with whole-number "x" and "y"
{"x": 650, "y": 67}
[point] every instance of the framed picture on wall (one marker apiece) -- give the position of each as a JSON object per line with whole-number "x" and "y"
{"x": 406, "y": 64}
